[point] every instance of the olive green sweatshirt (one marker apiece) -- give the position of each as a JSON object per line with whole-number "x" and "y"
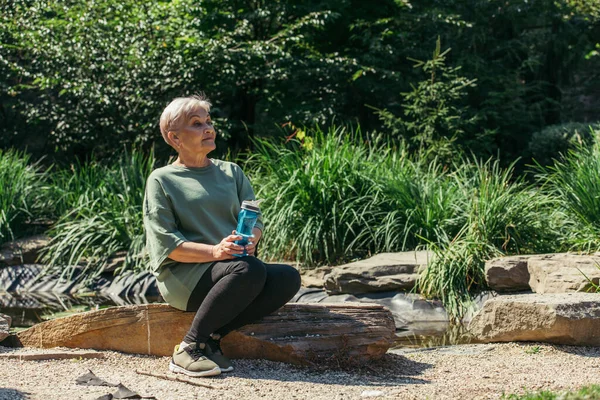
{"x": 190, "y": 204}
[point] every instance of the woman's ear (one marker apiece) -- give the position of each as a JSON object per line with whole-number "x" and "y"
{"x": 174, "y": 139}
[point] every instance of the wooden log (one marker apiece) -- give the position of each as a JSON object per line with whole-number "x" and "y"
{"x": 296, "y": 333}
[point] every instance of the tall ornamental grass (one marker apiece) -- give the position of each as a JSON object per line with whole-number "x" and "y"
{"x": 502, "y": 216}
{"x": 22, "y": 190}
{"x": 320, "y": 202}
{"x": 574, "y": 183}
{"x": 103, "y": 216}
{"x": 419, "y": 200}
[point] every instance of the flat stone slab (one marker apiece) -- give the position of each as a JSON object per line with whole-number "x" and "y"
{"x": 296, "y": 333}
{"x": 543, "y": 273}
{"x": 568, "y": 318}
{"x": 380, "y": 273}
{"x": 507, "y": 274}
{"x": 563, "y": 272}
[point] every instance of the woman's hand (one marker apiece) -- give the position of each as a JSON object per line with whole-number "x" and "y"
{"x": 251, "y": 246}
{"x": 226, "y": 249}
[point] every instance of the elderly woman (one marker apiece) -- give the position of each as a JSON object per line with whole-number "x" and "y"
{"x": 190, "y": 214}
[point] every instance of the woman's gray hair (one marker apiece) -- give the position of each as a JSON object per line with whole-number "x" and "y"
{"x": 179, "y": 111}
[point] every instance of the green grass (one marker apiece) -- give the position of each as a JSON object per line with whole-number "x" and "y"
{"x": 574, "y": 182}
{"x": 331, "y": 197}
{"x": 101, "y": 216}
{"x": 22, "y": 193}
{"x": 591, "y": 392}
{"x": 320, "y": 203}
{"x": 499, "y": 216}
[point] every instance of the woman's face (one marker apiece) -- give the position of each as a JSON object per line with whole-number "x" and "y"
{"x": 198, "y": 134}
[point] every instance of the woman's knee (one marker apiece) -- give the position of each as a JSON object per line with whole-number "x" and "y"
{"x": 252, "y": 269}
{"x": 290, "y": 279}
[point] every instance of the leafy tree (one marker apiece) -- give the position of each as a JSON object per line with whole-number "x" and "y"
{"x": 435, "y": 113}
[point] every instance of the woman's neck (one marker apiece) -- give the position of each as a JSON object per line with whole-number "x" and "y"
{"x": 192, "y": 162}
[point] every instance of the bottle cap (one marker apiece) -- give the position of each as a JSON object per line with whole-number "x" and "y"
{"x": 252, "y": 205}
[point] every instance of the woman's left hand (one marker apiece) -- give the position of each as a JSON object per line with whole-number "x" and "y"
{"x": 251, "y": 246}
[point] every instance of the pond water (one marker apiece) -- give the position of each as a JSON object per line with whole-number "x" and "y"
{"x": 28, "y": 309}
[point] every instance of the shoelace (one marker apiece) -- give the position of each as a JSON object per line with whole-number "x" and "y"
{"x": 196, "y": 353}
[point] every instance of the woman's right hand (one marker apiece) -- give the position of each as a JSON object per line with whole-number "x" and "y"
{"x": 226, "y": 248}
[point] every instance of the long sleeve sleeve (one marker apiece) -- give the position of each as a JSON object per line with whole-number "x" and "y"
{"x": 160, "y": 224}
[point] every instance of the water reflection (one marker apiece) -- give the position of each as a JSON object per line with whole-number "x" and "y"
{"x": 432, "y": 334}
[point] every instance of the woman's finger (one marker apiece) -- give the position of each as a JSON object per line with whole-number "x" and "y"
{"x": 233, "y": 238}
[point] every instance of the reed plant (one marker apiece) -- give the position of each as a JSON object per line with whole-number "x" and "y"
{"x": 320, "y": 201}
{"x": 102, "y": 216}
{"x": 502, "y": 215}
{"x": 574, "y": 183}
{"x": 22, "y": 192}
{"x": 419, "y": 200}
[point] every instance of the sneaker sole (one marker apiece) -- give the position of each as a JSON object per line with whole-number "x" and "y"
{"x": 179, "y": 370}
{"x": 229, "y": 369}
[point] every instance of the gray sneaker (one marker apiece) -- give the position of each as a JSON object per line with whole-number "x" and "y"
{"x": 192, "y": 360}
{"x": 214, "y": 352}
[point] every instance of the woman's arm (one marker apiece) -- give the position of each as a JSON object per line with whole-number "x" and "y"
{"x": 191, "y": 252}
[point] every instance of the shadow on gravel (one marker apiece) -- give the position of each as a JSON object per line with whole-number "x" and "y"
{"x": 390, "y": 370}
{"x": 12, "y": 394}
{"x": 584, "y": 351}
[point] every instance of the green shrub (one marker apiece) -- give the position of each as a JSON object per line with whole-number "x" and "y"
{"x": 319, "y": 200}
{"x": 419, "y": 201}
{"x": 501, "y": 217}
{"x": 575, "y": 184}
{"x": 102, "y": 215}
{"x": 21, "y": 194}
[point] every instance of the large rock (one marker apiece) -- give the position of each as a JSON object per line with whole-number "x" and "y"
{"x": 22, "y": 251}
{"x": 296, "y": 333}
{"x": 563, "y": 273}
{"x": 314, "y": 278}
{"x": 380, "y": 273}
{"x": 507, "y": 274}
{"x": 569, "y": 318}
{"x": 5, "y": 322}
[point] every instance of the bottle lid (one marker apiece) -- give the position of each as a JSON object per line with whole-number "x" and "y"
{"x": 252, "y": 205}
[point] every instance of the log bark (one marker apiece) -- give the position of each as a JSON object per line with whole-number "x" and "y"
{"x": 296, "y": 333}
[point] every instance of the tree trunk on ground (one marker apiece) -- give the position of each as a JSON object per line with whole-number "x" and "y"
{"x": 296, "y": 333}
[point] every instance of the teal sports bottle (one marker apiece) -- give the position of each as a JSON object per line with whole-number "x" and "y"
{"x": 246, "y": 220}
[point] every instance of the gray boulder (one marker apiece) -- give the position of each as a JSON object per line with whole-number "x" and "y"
{"x": 567, "y": 318}
{"x": 380, "y": 273}
{"x": 5, "y": 322}
{"x": 563, "y": 273}
{"x": 22, "y": 251}
{"x": 507, "y": 274}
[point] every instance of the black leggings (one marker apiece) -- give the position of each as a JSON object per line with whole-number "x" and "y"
{"x": 234, "y": 293}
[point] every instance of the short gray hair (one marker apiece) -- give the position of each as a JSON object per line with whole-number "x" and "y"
{"x": 179, "y": 111}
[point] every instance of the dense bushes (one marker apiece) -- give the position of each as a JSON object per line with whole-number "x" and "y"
{"x": 79, "y": 77}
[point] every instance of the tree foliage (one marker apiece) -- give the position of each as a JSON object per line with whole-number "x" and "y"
{"x": 84, "y": 76}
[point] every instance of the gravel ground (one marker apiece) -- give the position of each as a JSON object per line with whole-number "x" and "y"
{"x": 458, "y": 372}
